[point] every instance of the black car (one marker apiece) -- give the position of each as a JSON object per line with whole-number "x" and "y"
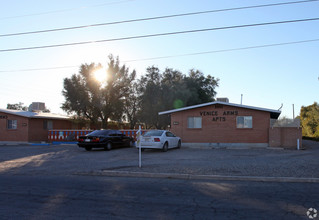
{"x": 106, "y": 139}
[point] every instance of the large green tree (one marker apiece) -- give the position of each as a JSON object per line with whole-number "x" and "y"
{"x": 202, "y": 88}
{"x": 132, "y": 106}
{"x": 160, "y": 91}
{"x": 309, "y": 117}
{"x": 150, "y": 97}
{"x": 96, "y": 100}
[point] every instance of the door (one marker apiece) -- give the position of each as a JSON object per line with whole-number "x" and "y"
{"x": 115, "y": 139}
{"x": 122, "y": 139}
{"x": 172, "y": 140}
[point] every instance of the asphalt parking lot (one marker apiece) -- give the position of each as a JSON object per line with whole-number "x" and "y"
{"x": 71, "y": 160}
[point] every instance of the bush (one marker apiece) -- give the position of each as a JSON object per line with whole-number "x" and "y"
{"x": 310, "y": 138}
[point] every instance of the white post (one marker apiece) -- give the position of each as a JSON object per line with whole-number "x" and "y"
{"x": 139, "y": 147}
{"x": 298, "y": 144}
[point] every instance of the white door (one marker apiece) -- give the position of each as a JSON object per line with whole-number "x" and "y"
{"x": 172, "y": 140}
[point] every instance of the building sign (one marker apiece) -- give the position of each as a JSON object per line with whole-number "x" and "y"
{"x": 3, "y": 116}
{"x": 218, "y": 116}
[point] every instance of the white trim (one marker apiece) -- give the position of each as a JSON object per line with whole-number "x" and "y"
{"x": 222, "y": 103}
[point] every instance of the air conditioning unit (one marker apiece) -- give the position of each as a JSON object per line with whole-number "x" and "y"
{"x": 37, "y": 106}
{"x": 223, "y": 100}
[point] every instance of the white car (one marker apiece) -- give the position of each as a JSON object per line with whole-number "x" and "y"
{"x": 160, "y": 139}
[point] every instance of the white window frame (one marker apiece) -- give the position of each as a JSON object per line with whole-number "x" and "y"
{"x": 194, "y": 122}
{"x": 12, "y": 124}
{"x": 248, "y": 122}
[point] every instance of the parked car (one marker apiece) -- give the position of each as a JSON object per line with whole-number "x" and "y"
{"x": 160, "y": 139}
{"x": 106, "y": 139}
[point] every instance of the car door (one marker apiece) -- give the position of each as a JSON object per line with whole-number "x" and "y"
{"x": 172, "y": 140}
{"x": 122, "y": 139}
{"x": 114, "y": 138}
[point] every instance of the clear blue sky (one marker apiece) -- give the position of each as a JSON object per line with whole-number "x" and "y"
{"x": 267, "y": 77}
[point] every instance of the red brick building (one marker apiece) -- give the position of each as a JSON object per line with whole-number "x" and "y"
{"x": 218, "y": 124}
{"x": 25, "y": 126}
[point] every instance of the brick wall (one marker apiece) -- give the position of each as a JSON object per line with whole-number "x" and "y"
{"x": 19, "y": 134}
{"x": 28, "y": 129}
{"x": 38, "y": 133}
{"x": 285, "y": 137}
{"x": 221, "y": 127}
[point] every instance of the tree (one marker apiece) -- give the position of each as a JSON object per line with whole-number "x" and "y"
{"x": 151, "y": 96}
{"x": 202, "y": 89}
{"x": 171, "y": 89}
{"x": 309, "y": 117}
{"x": 94, "y": 100}
{"x": 131, "y": 106}
{"x": 17, "y": 106}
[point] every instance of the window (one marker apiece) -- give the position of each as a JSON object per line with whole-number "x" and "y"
{"x": 118, "y": 133}
{"x": 153, "y": 133}
{"x": 12, "y": 124}
{"x": 169, "y": 134}
{"x": 100, "y": 132}
{"x": 244, "y": 122}
{"x": 194, "y": 122}
{"x": 48, "y": 124}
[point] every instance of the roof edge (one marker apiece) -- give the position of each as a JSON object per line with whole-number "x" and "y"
{"x": 27, "y": 114}
{"x": 222, "y": 103}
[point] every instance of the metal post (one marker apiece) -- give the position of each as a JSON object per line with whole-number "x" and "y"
{"x": 298, "y": 147}
{"x": 139, "y": 147}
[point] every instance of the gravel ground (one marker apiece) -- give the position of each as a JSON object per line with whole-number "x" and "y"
{"x": 233, "y": 162}
{"x": 70, "y": 159}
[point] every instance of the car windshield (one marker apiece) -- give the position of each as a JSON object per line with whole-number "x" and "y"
{"x": 99, "y": 132}
{"x": 153, "y": 133}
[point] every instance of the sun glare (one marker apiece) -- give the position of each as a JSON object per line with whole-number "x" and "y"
{"x": 100, "y": 75}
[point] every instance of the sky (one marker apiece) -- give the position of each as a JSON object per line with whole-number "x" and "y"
{"x": 267, "y": 77}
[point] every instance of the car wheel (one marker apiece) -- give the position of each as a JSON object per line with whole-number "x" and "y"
{"x": 108, "y": 146}
{"x": 88, "y": 148}
{"x": 179, "y": 144}
{"x": 165, "y": 147}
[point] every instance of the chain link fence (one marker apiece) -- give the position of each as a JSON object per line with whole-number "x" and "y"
{"x": 285, "y": 122}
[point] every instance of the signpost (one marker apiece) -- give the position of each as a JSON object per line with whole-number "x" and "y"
{"x": 139, "y": 133}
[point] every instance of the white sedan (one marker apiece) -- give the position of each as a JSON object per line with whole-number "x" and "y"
{"x": 160, "y": 139}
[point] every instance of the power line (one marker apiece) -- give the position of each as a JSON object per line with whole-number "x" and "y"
{"x": 66, "y": 10}
{"x": 179, "y": 55}
{"x": 160, "y": 34}
{"x": 224, "y": 50}
{"x": 155, "y": 18}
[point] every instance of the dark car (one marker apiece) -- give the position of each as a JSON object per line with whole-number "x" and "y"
{"x": 106, "y": 139}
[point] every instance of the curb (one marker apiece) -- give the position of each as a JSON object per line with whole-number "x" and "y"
{"x": 64, "y": 142}
{"x": 39, "y": 144}
{"x": 36, "y": 144}
{"x": 200, "y": 177}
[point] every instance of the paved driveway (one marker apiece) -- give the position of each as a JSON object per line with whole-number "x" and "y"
{"x": 69, "y": 159}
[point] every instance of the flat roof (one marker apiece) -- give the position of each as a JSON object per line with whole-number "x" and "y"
{"x": 273, "y": 113}
{"x": 28, "y": 114}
